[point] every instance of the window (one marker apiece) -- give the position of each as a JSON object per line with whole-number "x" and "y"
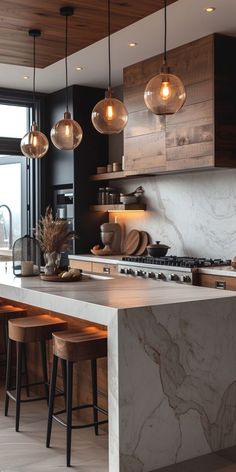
{"x": 14, "y": 121}
{"x": 12, "y": 200}
{"x": 23, "y": 193}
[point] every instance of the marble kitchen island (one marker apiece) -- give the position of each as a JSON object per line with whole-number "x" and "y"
{"x": 171, "y": 362}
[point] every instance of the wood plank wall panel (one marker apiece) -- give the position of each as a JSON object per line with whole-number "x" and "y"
{"x": 186, "y": 139}
{"x": 88, "y": 25}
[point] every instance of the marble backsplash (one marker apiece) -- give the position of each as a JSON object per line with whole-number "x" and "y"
{"x": 194, "y": 213}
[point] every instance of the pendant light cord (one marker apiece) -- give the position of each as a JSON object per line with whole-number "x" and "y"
{"x": 66, "y": 66}
{"x": 34, "y": 101}
{"x": 109, "y": 42}
{"x": 165, "y": 34}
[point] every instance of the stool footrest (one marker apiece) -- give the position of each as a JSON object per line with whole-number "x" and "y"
{"x": 35, "y": 399}
{"x": 81, "y": 407}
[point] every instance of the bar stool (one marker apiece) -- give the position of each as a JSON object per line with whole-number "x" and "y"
{"x": 87, "y": 344}
{"x": 23, "y": 331}
{"x": 8, "y": 312}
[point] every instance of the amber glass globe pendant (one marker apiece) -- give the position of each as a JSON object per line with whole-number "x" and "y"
{"x": 109, "y": 116}
{"x": 66, "y": 134}
{"x": 165, "y": 93}
{"x": 34, "y": 144}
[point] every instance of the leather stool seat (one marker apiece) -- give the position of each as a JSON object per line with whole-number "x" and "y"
{"x": 34, "y": 328}
{"x": 72, "y": 346}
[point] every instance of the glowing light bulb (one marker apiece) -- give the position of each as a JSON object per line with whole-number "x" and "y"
{"x": 67, "y": 130}
{"x": 34, "y": 144}
{"x": 165, "y": 90}
{"x": 109, "y": 112}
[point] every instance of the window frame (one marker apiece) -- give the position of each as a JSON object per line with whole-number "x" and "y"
{"x": 11, "y": 147}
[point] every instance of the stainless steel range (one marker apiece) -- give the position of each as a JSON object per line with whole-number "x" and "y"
{"x": 168, "y": 268}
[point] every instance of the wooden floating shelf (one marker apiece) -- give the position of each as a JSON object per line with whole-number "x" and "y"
{"x": 119, "y": 207}
{"x": 118, "y": 175}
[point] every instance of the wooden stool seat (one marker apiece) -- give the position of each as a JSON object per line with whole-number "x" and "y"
{"x": 34, "y": 328}
{"x": 86, "y": 344}
{"x": 72, "y": 346}
{"x": 10, "y": 311}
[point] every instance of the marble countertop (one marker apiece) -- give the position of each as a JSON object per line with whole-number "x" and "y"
{"x": 97, "y": 298}
{"x": 103, "y": 259}
{"x": 226, "y": 271}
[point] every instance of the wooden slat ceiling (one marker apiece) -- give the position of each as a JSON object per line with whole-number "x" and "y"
{"x": 88, "y": 25}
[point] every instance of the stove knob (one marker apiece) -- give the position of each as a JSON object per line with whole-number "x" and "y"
{"x": 173, "y": 277}
{"x": 122, "y": 271}
{"x": 151, "y": 275}
{"x": 160, "y": 276}
{"x": 186, "y": 279}
{"x": 139, "y": 273}
{"x": 129, "y": 271}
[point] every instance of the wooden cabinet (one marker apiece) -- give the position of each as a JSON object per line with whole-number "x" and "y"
{"x": 102, "y": 268}
{"x": 98, "y": 267}
{"x": 217, "y": 281}
{"x": 200, "y": 135}
{"x": 83, "y": 265}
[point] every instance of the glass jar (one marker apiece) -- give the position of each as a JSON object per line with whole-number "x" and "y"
{"x": 108, "y": 190}
{"x": 101, "y": 196}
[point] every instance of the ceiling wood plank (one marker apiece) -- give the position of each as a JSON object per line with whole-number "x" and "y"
{"x": 88, "y": 25}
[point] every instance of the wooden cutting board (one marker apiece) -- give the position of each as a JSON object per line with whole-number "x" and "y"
{"x": 132, "y": 242}
{"x": 144, "y": 240}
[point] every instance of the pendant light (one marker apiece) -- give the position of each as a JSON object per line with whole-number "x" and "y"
{"x": 165, "y": 93}
{"x": 66, "y": 134}
{"x": 109, "y": 116}
{"x": 34, "y": 144}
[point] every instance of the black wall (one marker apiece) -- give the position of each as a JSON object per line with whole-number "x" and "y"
{"x": 62, "y": 168}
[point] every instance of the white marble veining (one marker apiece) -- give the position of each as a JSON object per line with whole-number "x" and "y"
{"x": 177, "y": 390}
{"x": 194, "y": 213}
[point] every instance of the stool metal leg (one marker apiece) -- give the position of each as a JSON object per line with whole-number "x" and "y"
{"x": 8, "y": 374}
{"x": 44, "y": 367}
{"x": 24, "y": 361}
{"x": 19, "y": 350}
{"x": 51, "y": 399}
{"x": 5, "y": 336}
{"x": 95, "y": 393}
{"x": 69, "y": 391}
{"x": 64, "y": 376}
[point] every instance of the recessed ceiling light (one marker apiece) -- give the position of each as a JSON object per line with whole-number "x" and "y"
{"x": 132, "y": 45}
{"x": 25, "y": 77}
{"x": 210, "y": 9}
{"x": 79, "y": 68}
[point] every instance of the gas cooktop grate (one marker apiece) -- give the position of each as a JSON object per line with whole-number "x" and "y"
{"x": 175, "y": 261}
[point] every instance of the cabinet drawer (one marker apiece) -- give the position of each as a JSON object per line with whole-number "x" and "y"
{"x": 83, "y": 265}
{"x": 217, "y": 281}
{"x": 104, "y": 268}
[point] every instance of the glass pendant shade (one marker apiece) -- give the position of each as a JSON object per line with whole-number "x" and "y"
{"x": 164, "y": 94}
{"x": 34, "y": 144}
{"x": 66, "y": 134}
{"x": 109, "y": 116}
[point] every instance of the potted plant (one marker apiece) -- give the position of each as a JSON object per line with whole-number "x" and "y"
{"x": 54, "y": 236}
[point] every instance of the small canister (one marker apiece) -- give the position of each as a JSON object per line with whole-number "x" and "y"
{"x": 101, "y": 196}
{"x": 116, "y": 166}
{"x": 107, "y": 195}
